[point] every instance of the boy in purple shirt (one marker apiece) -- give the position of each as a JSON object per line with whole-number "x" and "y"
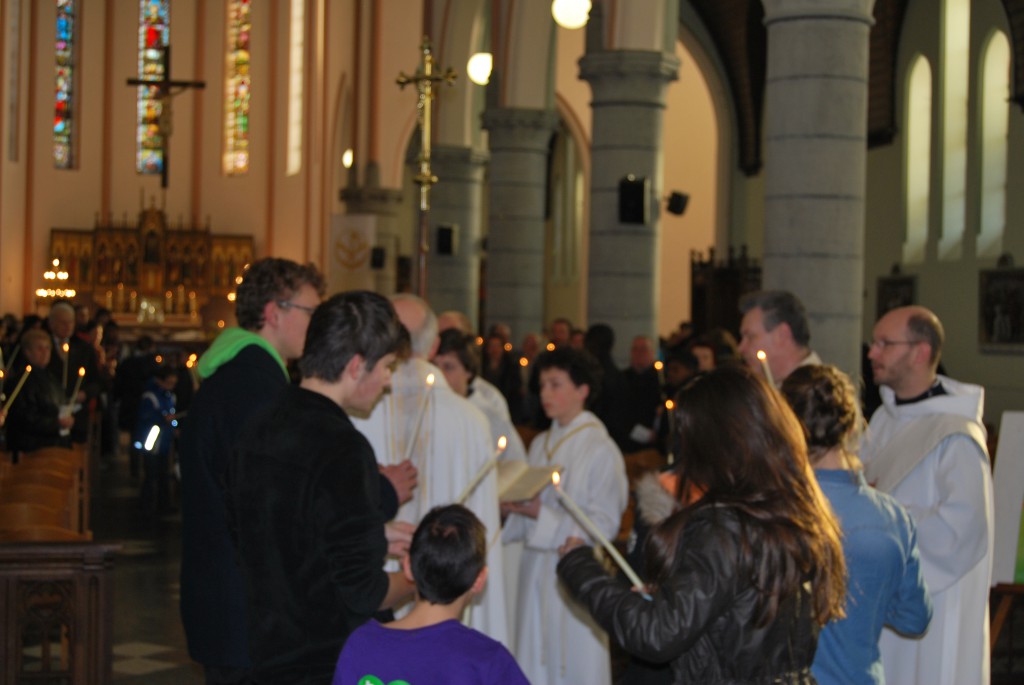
{"x": 429, "y": 646}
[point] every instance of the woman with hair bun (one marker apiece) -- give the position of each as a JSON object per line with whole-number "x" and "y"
{"x": 885, "y": 584}
{"x": 747, "y": 570}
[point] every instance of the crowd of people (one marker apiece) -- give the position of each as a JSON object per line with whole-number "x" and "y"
{"x": 342, "y": 515}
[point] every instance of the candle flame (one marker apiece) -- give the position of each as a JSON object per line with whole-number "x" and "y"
{"x": 508, "y": 347}
{"x": 502, "y": 441}
{"x": 28, "y": 367}
{"x": 65, "y": 347}
{"x": 550, "y": 347}
{"x": 479, "y": 341}
{"x": 430, "y": 379}
{"x": 523, "y": 361}
{"x": 556, "y": 478}
{"x": 670, "y": 405}
{"x": 81, "y": 371}
{"x": 659, "y": 365}
{"x": 761, "y": 355}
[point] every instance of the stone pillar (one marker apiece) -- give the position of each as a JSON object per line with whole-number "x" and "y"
{"x": 453, "y": 280}
{"x": 815, "y": 165}
{"x": 628, "y": 103}
{"x": 518, "y": 141}
{"x": 383, "y": 203}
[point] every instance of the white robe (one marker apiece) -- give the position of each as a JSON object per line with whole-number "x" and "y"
{"x": 557, "y": 642}
{"x": 495, "y": 410}
{"x": 949, "y": 495}
{"x": 452, "y": 444}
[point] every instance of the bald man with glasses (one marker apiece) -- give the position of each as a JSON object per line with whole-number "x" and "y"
{"x": 926, "y": 447}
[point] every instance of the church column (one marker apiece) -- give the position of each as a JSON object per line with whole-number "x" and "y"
{"x": 517, "y": 175}
{"x": 628, "y": 107}
{"x": 815, "y": 165}
{"x": 380, "y": 207}
{"x": 453, "y": 269}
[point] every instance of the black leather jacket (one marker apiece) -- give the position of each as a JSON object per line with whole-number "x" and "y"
{"x": 702, "y": 619}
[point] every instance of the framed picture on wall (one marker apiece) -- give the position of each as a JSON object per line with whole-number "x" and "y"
{"x": 1001, "y": 310}
{"x": 895, "y": 291}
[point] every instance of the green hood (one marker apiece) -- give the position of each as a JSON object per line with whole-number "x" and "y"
{"x": 227, "y": 346}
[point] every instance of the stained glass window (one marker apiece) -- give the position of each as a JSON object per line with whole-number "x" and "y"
{"x": 236, "y": 105}
{"x": 154, "y": 33}
{"x": 63, "y": 121}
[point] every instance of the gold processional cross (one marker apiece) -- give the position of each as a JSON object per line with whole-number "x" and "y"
{"x": 424, "y": 80}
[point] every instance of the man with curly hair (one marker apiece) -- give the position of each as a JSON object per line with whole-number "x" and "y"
{"x": 243, "y": 371}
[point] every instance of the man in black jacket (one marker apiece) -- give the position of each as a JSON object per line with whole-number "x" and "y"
{"x": 304, "y": 499}
{"x": 243, "y": 371}
{"x": 64, "y": 365}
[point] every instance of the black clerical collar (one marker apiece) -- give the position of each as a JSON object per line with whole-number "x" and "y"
{"x": 933, "y": 391}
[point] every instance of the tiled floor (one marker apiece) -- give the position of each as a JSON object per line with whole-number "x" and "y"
{"x": 149, "y": 645}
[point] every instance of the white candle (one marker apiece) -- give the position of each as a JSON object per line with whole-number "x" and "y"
{"x": 419, "y": 418}
{"x": 484, "y": 470}
{"x": 65, "y": 347}
{"x": 78, "y": 384}
{"x": 17, "y": 388}
{"x": 764, "y": 366}
{"x": 596, "y": 534}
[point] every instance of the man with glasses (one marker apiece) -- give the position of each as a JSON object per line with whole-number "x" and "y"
{"x": 243, "y": 371}
{"x": 926, "y": 447}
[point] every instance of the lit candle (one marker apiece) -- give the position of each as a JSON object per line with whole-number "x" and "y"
{"x": 484, "y": 470}
{"x": 419, "y": 418}
{"x": 585, "y": 521}
{"x": 78, "y": 384}
{"x": 17, "y": 388}
{"x": 191, "y": 366}
{"x": 65, "y": 347}
{"x": 763, "y": 358}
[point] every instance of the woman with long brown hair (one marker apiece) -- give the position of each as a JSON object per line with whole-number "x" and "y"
{"x": 742, "y": 578}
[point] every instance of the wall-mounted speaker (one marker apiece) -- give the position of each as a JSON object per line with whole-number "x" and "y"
{"x": 446, "y": 240}
{"x": 677, "y": 203}
{"x": 633, "y": 205}
{"x": 377, "y": 255}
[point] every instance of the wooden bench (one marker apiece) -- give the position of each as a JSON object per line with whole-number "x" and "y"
{"x": 57, "y": 612}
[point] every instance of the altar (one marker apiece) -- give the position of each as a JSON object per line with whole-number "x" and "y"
{"x": 151, "y": 274}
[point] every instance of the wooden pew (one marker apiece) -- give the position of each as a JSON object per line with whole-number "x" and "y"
{"x": 57, "y": 597}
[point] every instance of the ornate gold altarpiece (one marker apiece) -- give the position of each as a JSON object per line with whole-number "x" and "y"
{"x": 151, "y": 274}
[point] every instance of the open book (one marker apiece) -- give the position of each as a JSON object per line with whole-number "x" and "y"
{"x": 518, "y": 481}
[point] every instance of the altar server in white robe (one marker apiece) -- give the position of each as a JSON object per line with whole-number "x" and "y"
{"x": 557, "y": 642}
{"x": 926, "y": 447}
{"x": 449, "y": 441}
{"x": 482, "y": 392}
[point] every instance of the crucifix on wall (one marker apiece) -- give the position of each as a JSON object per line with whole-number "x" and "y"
{"x": 166, "y": 88}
